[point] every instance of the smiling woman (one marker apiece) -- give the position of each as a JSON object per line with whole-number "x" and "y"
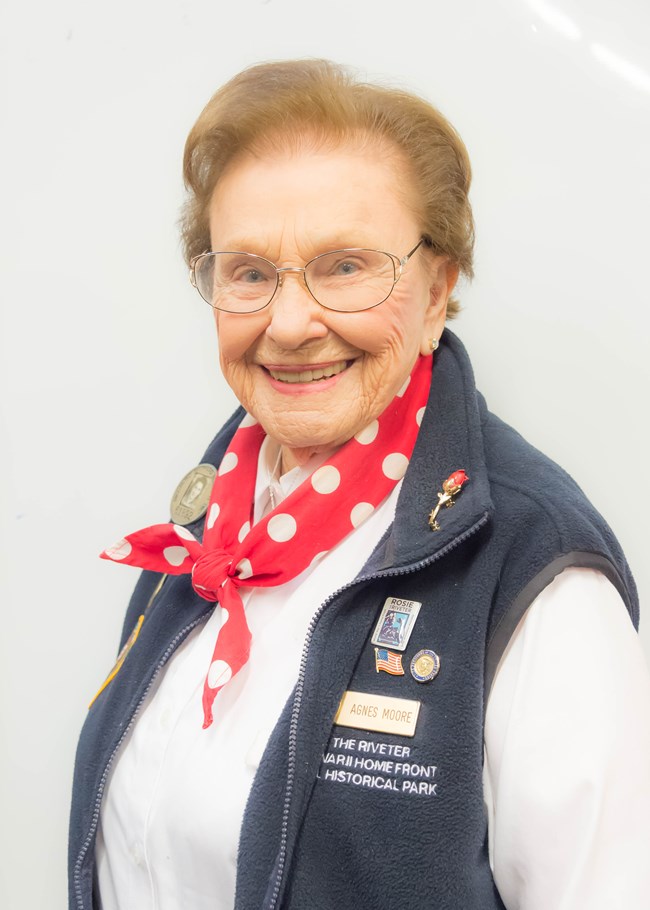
{"x": 367, "y": 354}
{"x": 333, "y": 689}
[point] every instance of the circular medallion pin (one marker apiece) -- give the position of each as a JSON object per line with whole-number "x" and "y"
{"x": 192, "y": 496}
{"x": 425, "y": 666}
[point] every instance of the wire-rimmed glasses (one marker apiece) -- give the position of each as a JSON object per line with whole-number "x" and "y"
{"x": 347, "y": 280}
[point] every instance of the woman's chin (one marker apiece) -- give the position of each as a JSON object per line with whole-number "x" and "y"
{"x": 306, "y": 440}
{"x": 310, "y": 420}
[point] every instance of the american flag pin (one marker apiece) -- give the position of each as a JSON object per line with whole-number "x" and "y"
{"x": 389, "y": 662}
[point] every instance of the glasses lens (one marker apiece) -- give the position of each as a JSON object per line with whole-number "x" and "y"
{"x": 351, "y": 280}
{"x": 235, "y": 282}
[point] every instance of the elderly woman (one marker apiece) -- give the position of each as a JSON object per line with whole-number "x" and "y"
{"x": 368, "y": 663}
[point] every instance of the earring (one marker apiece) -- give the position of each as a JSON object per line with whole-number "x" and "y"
{"x": 433, "y": 344}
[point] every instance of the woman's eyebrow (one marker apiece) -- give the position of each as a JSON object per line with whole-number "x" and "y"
{"x": 312, "y": 246}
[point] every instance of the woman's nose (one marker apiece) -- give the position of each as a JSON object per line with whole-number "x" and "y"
{"x": 295, "y": 316}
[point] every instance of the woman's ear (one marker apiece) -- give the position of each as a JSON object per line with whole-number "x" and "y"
{"x": 443, "y": 282}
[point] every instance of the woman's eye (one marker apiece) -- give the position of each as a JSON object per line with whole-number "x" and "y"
{"x": 347, "y": 268}
{"x": 252, "y": 276}
{"x": 249, "y": 276}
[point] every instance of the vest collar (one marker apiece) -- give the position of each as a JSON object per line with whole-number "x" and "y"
{"x": 450, "y": 438}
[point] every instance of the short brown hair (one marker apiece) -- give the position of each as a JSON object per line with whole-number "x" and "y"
{"x": 277, "y": 103}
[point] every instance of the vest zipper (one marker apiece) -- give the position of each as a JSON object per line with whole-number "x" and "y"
{"x": 297, "y": 700}
{"x": 102, "y": 783}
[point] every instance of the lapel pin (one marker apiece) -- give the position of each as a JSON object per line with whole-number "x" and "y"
{"x": 450, "y": 489}
{"x": 192, "y": 496}
{"x": 425, "y": 666}
{"x": 395, "y": 623}
{"x": 389, "y": 662}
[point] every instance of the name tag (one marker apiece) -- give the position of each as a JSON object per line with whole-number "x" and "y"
{"x": 379, "y": 713}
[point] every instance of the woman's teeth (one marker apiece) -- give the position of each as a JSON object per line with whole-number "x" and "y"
{"x": 309, "y": 375}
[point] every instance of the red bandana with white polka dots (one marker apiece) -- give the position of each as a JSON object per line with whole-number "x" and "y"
{"x": 329, "y": 504}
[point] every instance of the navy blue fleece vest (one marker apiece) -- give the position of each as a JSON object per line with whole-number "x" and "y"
{"x": 347, "y": 818}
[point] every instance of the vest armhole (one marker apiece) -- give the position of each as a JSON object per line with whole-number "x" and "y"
{"x": 499, "y": 639}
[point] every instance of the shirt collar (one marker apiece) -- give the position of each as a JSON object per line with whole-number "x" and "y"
{"x": 268, "y": 464}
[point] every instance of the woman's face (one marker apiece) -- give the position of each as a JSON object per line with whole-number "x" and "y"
{"x": 289, "y": 207}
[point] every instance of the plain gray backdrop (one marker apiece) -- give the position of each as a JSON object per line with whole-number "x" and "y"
{"x": 109, "y": 362}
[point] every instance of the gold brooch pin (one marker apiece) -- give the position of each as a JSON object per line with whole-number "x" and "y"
{"x": 450, "y": 488}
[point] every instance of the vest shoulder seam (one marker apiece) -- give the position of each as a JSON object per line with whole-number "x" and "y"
{"x": 502, "y": 633}
{"x": 536, "y": 499}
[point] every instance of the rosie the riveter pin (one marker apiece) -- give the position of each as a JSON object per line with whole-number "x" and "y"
{"x": 395, "y": 623}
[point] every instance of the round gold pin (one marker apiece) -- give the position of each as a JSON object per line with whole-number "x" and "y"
{"x": 192, "y": 495}
{"x": 425, "y": 666}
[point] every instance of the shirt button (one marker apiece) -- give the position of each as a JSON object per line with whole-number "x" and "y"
{"x": 137, "y": 854}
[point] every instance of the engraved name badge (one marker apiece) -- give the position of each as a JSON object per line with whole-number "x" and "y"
{"x": 379, "y": 713}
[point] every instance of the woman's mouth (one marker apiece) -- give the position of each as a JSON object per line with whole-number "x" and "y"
{"x": 316, "y": 373}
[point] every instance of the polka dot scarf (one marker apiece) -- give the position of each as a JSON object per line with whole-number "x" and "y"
{"x": 329, "y": 504}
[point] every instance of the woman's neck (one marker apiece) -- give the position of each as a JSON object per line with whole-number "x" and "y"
{"x": 294, "y": 458}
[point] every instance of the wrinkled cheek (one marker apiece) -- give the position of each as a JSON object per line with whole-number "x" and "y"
{"x": 390, "y": 325}
{"x": 370, "y": 331}
{"x": 385, "y": 337}
{"x": 237, "y": 334}
{"x": 243, "y": 383}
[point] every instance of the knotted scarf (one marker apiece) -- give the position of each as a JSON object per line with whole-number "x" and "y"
{"x": 326, "y": 506}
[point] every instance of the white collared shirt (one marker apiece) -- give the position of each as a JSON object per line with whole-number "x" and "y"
{"x": 569, "y": 710}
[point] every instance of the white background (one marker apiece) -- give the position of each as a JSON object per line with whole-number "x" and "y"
{"x": 111, "y": 387}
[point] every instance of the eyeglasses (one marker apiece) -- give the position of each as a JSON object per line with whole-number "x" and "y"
{"x": 346, "y": 280}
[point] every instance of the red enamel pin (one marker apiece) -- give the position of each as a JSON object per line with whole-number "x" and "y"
{"x": 450, "y": 489}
